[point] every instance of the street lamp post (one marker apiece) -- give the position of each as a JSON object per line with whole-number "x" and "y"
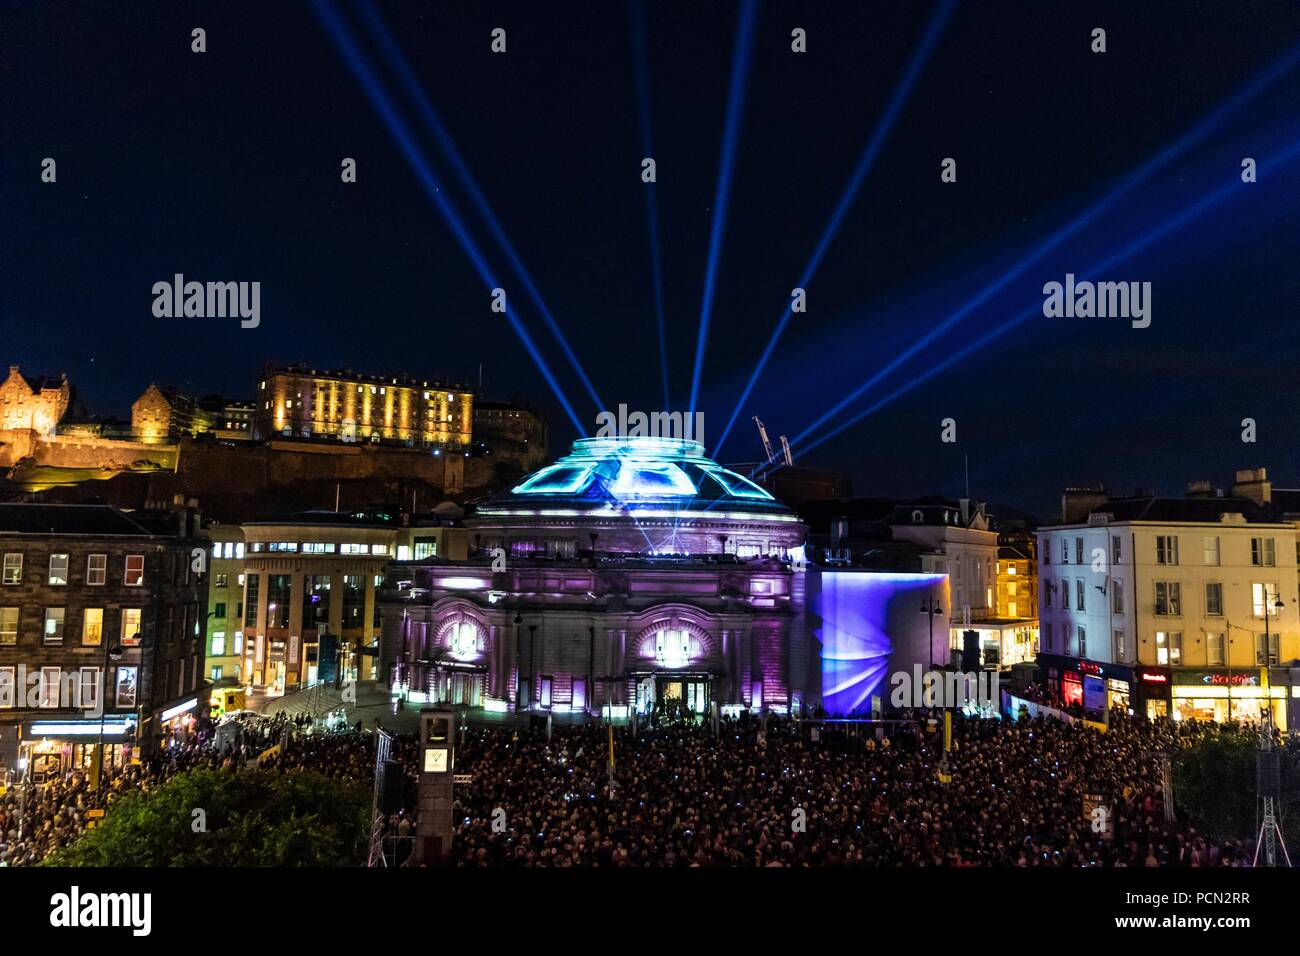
{"x": 931, "y": 608}
{"x": 111, "y": 652}
{"x": 1277, "y": 605}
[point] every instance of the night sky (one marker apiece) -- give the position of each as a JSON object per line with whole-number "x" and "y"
{"x": 226, "y": 166}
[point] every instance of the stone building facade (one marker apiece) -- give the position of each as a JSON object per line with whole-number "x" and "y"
{"x": 629, "y": 574}
{"x": 163, "y": 414}
{"x": 97, "y": 605}
{"x": 33, "y": 403}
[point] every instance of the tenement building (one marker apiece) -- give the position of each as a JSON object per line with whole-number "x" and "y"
{"x": 343, "y": 405}
{"x": 1177, "y": 607}
{"x": 101, "y": 632}
{"x": 630, "y": 573}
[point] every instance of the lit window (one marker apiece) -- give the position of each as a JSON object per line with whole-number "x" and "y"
{"x": 92, "y": 626}
{"x": 134, "y": 575}
{"x": 54, "y": 625}
{"x": 1264, "y": 598}
{"x": 13, "y": 568}
{"x": 131, "y": 622}
{"x": 8, "y": 626}
{"x": 58, "y": 569}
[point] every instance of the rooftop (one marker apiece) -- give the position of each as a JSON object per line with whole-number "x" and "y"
{"x": 33, "y": 518}
{"x": 1183, "y": 510}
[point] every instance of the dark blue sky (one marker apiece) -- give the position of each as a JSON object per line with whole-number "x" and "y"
{"x": 225, "y": 166}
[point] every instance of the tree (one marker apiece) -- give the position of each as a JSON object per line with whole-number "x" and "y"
{"x": 209, "y": 817}
{"x": 1214, "y": 782}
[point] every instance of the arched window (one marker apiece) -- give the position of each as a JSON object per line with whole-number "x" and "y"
{"x": 463, "y": 639}
{"x": 672, "y": 647}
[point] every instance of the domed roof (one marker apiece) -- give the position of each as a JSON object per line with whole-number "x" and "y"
{"x": 635, "y": 476}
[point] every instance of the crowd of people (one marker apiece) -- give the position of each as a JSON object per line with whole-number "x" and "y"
{"x": 767, "y": 794}
{"x": 741, "y": 792}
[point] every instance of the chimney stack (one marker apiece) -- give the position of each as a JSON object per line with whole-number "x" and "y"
{"x": 1253, "y": 483}
{"x": 1078, "y": 500}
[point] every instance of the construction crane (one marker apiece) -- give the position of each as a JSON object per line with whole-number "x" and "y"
{"x": 785, "y": 452}
{"x": 767, "y": 443}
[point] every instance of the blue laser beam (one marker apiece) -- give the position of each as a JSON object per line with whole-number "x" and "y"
{"x": 366, "y": 74}
{"x": 651, "y": 207}
{"x": 1133, "y": 179}
{"x": 884, "y": 126}
{"x": 731, "y": 134}
{"x": 429, "y": 116}
{"x": 1288, "y": 155}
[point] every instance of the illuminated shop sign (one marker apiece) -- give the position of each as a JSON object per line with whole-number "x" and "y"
{"x": 74, "y": 728}
{"x": 1230, "y": 680}
{"x": 1153, "y": 677}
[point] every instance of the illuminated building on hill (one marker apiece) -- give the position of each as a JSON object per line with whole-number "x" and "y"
{"x": 301, "y": 402}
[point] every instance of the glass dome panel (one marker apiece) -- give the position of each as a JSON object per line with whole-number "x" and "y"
{"x": 637, "y": 479}
{"x": 557, "y": 479}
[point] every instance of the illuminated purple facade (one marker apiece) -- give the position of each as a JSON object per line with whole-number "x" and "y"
{"x": 867, "y": 625}
{"x": 630, "y": 572}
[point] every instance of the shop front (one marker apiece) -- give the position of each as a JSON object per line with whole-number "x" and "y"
{"x": 1151, "y": 691}
{"x": 1222, "y": 695}
{"x": 178, "y": 722}
{"x": 1096, "y": 686}
{"x": 52, "y": 749}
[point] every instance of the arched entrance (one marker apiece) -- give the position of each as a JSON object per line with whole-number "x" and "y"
{"x": 672, "y": 668}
